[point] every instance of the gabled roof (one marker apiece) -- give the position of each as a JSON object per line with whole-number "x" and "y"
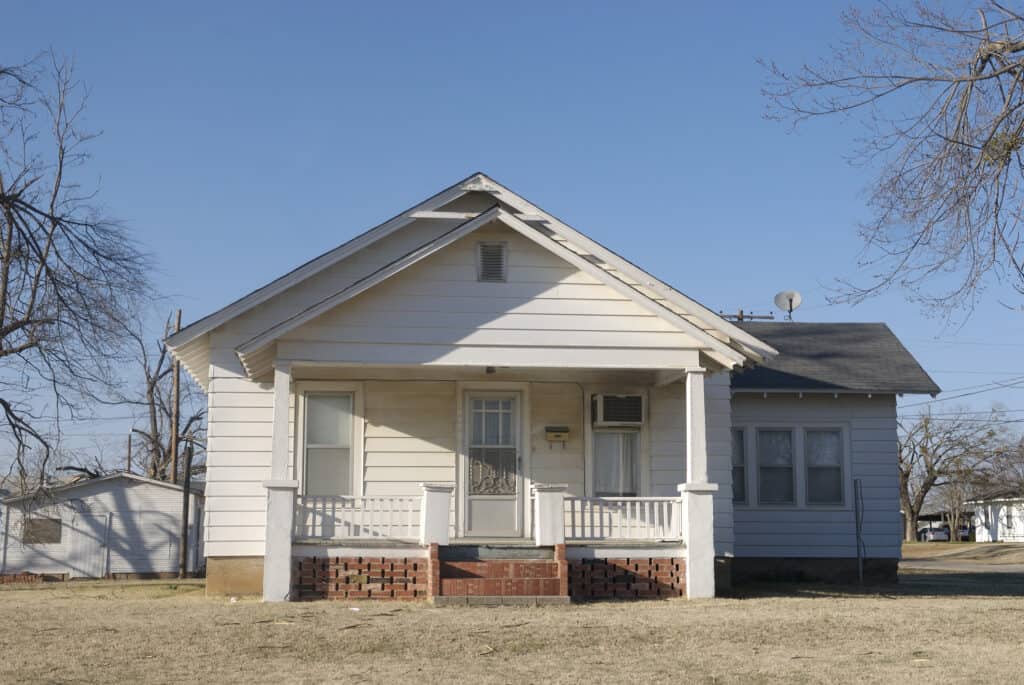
{"x": 196, "y": 488}
{"x": 833, "y": 357}
{"x": 728, "y": 344}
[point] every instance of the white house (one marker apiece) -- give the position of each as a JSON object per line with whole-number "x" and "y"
{"x": 118, "y": 526}
{"x": 475, "y": 399}
{"x": 999, "y": 516}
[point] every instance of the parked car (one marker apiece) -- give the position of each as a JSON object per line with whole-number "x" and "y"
{"x": 933, "y": 535}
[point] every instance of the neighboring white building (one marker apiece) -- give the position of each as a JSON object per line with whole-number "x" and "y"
{"x": 121, "y": 525}
{"x": 550, "y": 394}
{"x": 999, "y": 517}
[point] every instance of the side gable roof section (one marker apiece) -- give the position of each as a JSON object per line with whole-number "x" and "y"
{"x": 834, "y": 357}
{"x": 726, "y": 343}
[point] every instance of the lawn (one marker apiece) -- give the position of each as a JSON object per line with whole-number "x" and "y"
{"x": 987, "y": 552}
{"x": 929, "y": 628}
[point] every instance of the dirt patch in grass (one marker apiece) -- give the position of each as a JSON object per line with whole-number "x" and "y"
{"x": 160, "y": 632}
{"x": 987, "y": 552}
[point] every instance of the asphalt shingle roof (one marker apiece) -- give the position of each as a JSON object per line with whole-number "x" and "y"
{"x": 859, "y": 357}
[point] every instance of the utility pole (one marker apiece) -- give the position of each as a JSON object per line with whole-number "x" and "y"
{"x": 128, "y": 466}
{"x": 185, "y": 507}
{"x": 175, "y": 406}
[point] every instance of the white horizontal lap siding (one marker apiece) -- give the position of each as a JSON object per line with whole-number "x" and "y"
{"x": 238, "y": 456}
{"x": 548, "y": 313}
{"x": 666, "y": 415}
{"x": 557, "y": 404}
{"x": 409, "y": 436}
{"x": 768, "y": 531}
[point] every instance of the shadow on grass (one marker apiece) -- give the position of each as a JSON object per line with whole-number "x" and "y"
{"x": 912, "y": 584}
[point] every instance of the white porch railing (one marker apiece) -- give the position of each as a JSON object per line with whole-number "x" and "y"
{"x": 623, "y": 518}
{"x": 339, "y": 517}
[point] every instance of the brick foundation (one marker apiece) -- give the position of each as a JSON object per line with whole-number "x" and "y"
{"x": 362, "y": 578}
{"x": 645, "y": 578}
{"x": 25, "y": 578}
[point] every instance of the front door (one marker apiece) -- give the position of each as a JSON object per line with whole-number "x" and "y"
{"x": 494, "y": 484}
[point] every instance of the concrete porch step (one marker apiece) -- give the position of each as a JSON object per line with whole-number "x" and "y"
{"x": 499, "y": 600}
{"x": 499, "y": 587}
{"x": 488, "y": 552}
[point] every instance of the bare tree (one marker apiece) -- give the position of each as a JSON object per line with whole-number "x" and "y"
{"x": 941, "y": 96}
{"x": 69, "y": 275}
{"x": 154, "y": 398}
{"x": 936, "y": 453}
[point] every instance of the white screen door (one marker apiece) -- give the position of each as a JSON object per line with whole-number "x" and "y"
{"x": 494, "y": 483}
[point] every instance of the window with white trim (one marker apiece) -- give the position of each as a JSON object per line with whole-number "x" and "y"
{"x": 775, "y": 482}
{"x": 328, "y": 444}
{"x": 616, "y": 463}
{"x": 739, "y": 467}
{"x": 823, "y": 459}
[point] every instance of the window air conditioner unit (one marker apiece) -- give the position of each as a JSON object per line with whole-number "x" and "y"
{"x": 618, "y": 410}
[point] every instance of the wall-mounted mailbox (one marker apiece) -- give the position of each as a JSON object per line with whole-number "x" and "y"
{"x": 556, "y": 433}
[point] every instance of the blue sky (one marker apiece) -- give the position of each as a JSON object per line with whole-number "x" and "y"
{"x": 242, "y": 139}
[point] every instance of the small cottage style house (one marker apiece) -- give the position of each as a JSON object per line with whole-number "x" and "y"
{"x": 474, "y": 401}
{"x": 998, "y": 516}
{"x": 117, "y": 526}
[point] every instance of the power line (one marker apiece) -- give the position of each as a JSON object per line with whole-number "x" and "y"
{"x": 996, "y": 386}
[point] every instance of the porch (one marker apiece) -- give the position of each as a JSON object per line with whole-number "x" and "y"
{"x": 501, "y": 447}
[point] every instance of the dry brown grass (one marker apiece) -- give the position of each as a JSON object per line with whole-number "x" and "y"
{"x": 921, "y": 631}
{"x": 987, "y": 552}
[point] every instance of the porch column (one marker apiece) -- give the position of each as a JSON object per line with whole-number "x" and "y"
{"x": 437, "y": 502}
{"x": 549, "y": 514}
{"x": 698, "y": 494}
{"x": 277, "y": 558}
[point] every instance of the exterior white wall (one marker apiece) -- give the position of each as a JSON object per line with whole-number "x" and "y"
{"x": 820, "y": 531}
{"x": 144, "y": 525}
{"x": 999, "y": 521}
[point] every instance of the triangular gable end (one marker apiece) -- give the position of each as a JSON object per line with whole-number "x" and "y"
{"x": 723, "y": 341}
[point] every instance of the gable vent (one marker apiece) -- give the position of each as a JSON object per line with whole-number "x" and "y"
{"x": 492, "y": 262}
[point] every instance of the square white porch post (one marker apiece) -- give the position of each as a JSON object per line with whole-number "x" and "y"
{"x": 698, "y": 494}
{"x": 437, "y": 501}
{"x": 549, "y": 514}
{"x": 277, "y": 559}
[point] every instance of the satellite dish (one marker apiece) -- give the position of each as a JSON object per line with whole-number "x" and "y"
{"x": 787, "y": 301}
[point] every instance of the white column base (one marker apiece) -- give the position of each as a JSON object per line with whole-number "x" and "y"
{"x": 437, "y": 501}
{"x": 549, "y": 514}
{"x": 277, "y": 560}
{"x": 699, "y": 535}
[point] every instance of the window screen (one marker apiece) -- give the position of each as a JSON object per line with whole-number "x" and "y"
{"x": 41, "y": 531}
{"x": 615, "y": 463}
{"x": 775, "y": 466}
{"x": 823, "y": 454}
{"x": 328, "y": 444}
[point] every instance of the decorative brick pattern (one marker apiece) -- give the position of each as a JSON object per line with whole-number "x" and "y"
{"x": 12, "y": 578}
{"x": 361, "y": 578}
{"x": 645, "y": 578}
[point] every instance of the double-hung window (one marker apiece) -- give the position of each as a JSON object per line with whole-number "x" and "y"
{"x": 739, "y": 467}
{"x": 328, "y": 444}
{"x": 775, "y": 466}
{"x": 823, "y": 459}
{"x": 616, "y": 468}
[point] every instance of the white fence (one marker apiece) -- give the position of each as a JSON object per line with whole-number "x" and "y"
{"x": 337, "y": 517}
{"x": 623, "y": 518}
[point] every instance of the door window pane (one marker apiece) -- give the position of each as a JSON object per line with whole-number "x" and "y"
{"x": 775, "y": 466}
{"x": 739, "y": 468}
{"x": 615, "y": 463}
{"x": 823, "y": 454}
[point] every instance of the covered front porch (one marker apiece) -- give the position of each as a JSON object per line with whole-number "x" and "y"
{"x": 511, "y": 464}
